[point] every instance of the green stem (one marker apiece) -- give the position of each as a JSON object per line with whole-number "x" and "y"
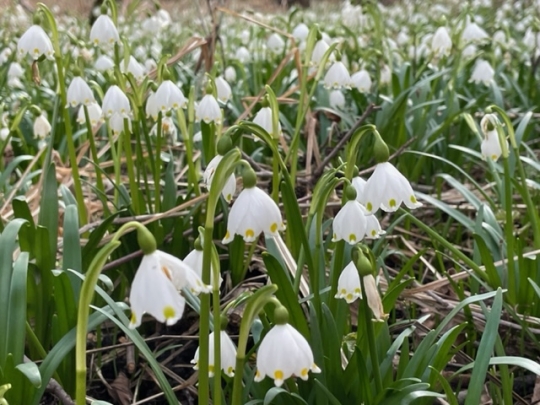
{"x": 371, "y": 340}
{"x": 157, "y": 167}
{"x": 130, "y": 168}
{"x": 509, "y": 231}
{"x": 193, "y": 174}
{"x": 142, "y": 119}
{"x": 116, "y": 162}
{"x": 216, "y": 307}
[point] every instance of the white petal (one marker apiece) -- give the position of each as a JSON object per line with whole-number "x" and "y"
{"x": 350, "y": 223}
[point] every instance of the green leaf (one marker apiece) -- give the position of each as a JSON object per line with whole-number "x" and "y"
{"x": 72, "y": 247}
{"x": 31, "y": 371}
{"x": 485, "y": 352}
{"x": 48, "y": 208}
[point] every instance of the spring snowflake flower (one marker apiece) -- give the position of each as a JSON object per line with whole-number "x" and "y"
{"x": 349, "y": 284}
{"x": 103, "y": 63}
{"x": 94, "y": 113}
{"x": 482, "y": 73}
{"x": 169, "y": 96}
{"x": 263, "y": 118}
{"x": 117, "y": 123}
{"x": 350, "y": 223}
{"x": 194, "y": 260}
{"x": 300, "y": 32}
{"x": 224, "y": 91}
{"x": 153, "y": 291}
{"x": 115, "y": 101}
{"x": 243, "y": 55}
{"x": 208, "y": 110}
{"x": 104, "y": 32}
{"x": 473, "y": 33}
{"x": 35, "y": 42}
{"x": 133, "y": 67}
{"x": 337, "y": 99}
{"x": 321, "y": 46}
{"x": 183, "y": 276}
{"x": 337, "y": 77}
{"x": 230, "y": 186}
{"x": 284, "y": 353}
{"x": 362, "y": 81}
{"x": 42, "y": 127}
{"x": 441, "y": 43}
{"x": 275, "y": 43}
{"x": 386, "y": 75}
{"x": 387, "y": 188}
{"x": 168, "y": 128}
{"x": 228, "y": 355}
{"x": 230, "y": 74}
{"x": 79, "y": 92}
{"x": 253, "y": 212}
{"x": 491, "y": 146}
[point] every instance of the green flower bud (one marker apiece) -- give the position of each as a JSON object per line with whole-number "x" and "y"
{"x": 224, "y": 145}
{"x": 363, "y": 264}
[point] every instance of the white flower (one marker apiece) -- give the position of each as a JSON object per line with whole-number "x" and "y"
{"x": 284, "y": 352}
{"x": 4, "y": 55}
{"x": 243, "y": 55}
{"x": 133, "y": 67}
{"x": 115, "y": 101}
{"x": 263, "y": 118}
{"x": 373, "y": 227}
{"x": 230, "y": 74}
{"x": 227, "y": 351}
{"x": 362, "y": 81}
{"x": 441, "y": 43}
{"x": 373, "y": 298}
{"x": 349, "y": 284}
{"x": 94, "y": 113}
{"x": 42, "y": 127}
{"x": 350, "y": 223}
{"x": 482, "y": 73}
{"x": 300, "y": 32}
{"x": 194, "y": 260}
{"x": 182, "y": 275}
{"x": 387, "y": 188}
{"x": 4, "y": 133}
{"x": 473, "y": 33}
{"x": 491, "y": 146}
{"x": 104, "y": 32}
{"x": 245, "y": 36}
{"x": 337, "y": 99}
{"x": 167, "y": 128}
{"x": 152, "y": 108}
{"x": 79, "y": 92}
{"x": 253, "y": 212}
{"x": 359, "y": 184}
{"x": 275, "y": 43}
{"x": 35, "y": 42}
{"x": 117, "y": 123}
{"x": 224, "y": 91}
{"x": 103, "y": 63}
{"x": 152, "y": 291}
{"x": 319, "y": 50}
{"x": 337, "y": 77}
{"x": 169, "y": 96}
{"x": 386, "y": 75}
{"x": 208, "y": 176}
{"x": 208, "y": 110}
{"x": 469, "y": 51}
{"x": 15, "y": 71}
{"x": 149, "y": 65}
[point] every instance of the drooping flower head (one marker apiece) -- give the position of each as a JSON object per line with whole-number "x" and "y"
{"x": 104, "y": 33}
{"x": 228, "y": 355}
{"x": 491, "y": 145}
{"x": 79, "y": 93}
{"x": 224, "y": 145}
{"x": 35, "y": 42}
{"x": 115, "y": 101}
{"x": 284, "y": 352}
{"x": 441, "y": 43}
{"x": 253, "y": 212}
{"x": 350, "y": 222}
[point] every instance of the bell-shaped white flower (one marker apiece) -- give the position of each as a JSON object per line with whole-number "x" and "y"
{"x": 168, "y": 128}
{"x": 153, "y": 292}
{"x": 350, "y": 223}
{"x": 243, "y": 55}
{"x": 152, "y": 108}
{"x": 362, "y": 81}
{"x": 15, "y": 70}
{"x": 349, "y": 284}
{"x": 491, "y": 146}
{"x": 441, "y": 43}
{"x": 469, "y": 51}
{"x": 230, "y": 74}
{"x": 300, "y": 32}
{"x": 94, "y": 114}
{"x": 115, "y": 101}
{"x": 4, "y": 133}
{"x": 42, "y": 127}
{"x": 208, "y": 176}
{"x": 275, "y": 43}
{"x": 104, "y": 32}
{"x": 169, "y": 96}
{"x": 359, "y": 184}
{"x": 337, "y": 99}
{"x": 149, "y": 65}
{"x": 208, "y": 110}
{"x": 245, "y": 36}
{"x": 103, "y": 63}
{"x": 4, "y": 55}
{"x": 284, "y": 353}
{"x": 194, "y": 260}
{"x": 133, "y": 67}
{"x": 183, "y": 276}
{"x": 473, "y": 33}
{"x": 227, "y": 352}
{"x": 482, "y": 73}
{"x": 35, "y": 42}
{"x": 117, "y": 123}
{"x": 253, "y": 212}
{"x": 337, "y": 77}
{"x": 386, "y": 75}
{"x": 321, "y": 46}
{"x": 373, "y": 227}
{"x": 224, "y": 91}
{"x": 263, "y": 118}
{"x": 79, "y": 92}
{"x": 387, "y": 188}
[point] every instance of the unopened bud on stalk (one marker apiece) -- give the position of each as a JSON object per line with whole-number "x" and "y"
{"x": 224, "y": 145}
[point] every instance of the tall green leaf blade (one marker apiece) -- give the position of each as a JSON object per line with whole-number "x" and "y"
{"x": 72, "y": 247}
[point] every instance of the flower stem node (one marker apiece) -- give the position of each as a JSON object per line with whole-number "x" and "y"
{"x": 146, "y": 240}
{"x": 284, "y": 353}
{"x": 380, "y": 149}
